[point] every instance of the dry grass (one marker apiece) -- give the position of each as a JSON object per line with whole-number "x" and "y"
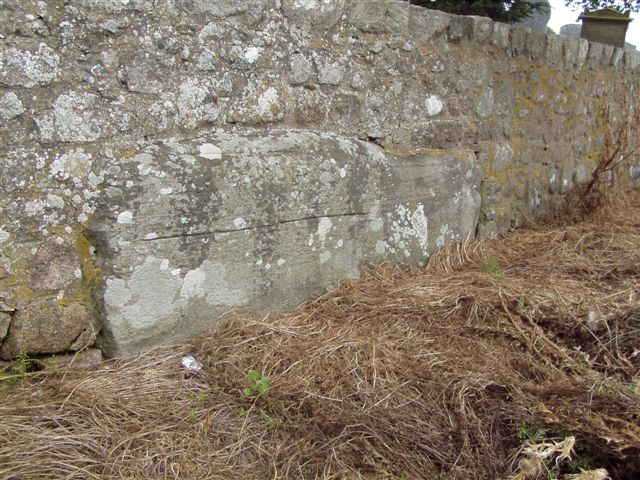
{"x": 418, "y": 374}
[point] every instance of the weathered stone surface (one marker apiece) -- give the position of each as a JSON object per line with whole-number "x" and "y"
{"x": 236, "y": 11}
{"x": 89, "y": 87}
{"x": 482, "y": 28}
{"x": 425, "y": 25}
{"x": 115, "y": 6}
{"x": 301, "y": 69}
{"x": 230, "y": 221}
{"x": 54, "y": 267}
{"x": 86, "y": 359}
{"x": 313, "y": 16}
{"x": 45, "y": 327}
{"x": 27, "y": 68}
{"x": 5, "y": 320}
{"x": 380, "y": 16}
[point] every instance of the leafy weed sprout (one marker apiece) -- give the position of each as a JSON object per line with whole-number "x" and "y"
{"x": 257, "y": 384}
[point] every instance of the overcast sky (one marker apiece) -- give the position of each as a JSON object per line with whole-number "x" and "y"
{"x": 561, "y": 15}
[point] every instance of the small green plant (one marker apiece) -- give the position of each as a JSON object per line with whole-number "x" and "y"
{"x": 271, "y": 410}
{"x": 22, "y": 364}
{"x": 523, "y": 306}
{"x": 578, "y": 465}
{"x": 551, "y": 472}
{"x": 491, "y": 267}
{"x": 200, "y": 399}
{"x": 270, "y": 420}
{"x": 257, "y": 384}
{"x": 202, "y": 396}
{"x": 527, "y": 433}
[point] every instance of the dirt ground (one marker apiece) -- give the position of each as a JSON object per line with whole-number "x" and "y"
{"x": 511, "y": 358}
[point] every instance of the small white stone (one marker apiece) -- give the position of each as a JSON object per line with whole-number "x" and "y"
{"x": 433, "y": 105}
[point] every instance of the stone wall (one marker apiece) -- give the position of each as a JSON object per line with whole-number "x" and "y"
{"x": 164, "y": 162}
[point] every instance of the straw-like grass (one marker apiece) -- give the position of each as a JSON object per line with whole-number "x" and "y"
{"x": 401, "y": 374}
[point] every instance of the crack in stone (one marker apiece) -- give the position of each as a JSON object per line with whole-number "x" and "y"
{"x": 255, "y": 227}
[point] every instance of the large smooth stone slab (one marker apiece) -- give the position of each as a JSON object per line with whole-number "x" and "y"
{"x": 187, "y": 231}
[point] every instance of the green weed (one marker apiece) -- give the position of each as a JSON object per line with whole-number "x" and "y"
{"x": 492, "y": 268}
{"x": 257, "y": 384}
{"x": 271, "y": 410}
{"x": 527, "y": 433}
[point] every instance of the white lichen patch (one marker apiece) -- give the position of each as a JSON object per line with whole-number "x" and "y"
{"x": 116, "y": 294}
{"x": 251, "y": 54}
{"x": 193, "y": 104}
{"x": 420, "y": 224}
{"x": 442, "y": 238}
{"x": 10, "y": 106}
{"x": 71, "y": 119}
{"x": 485, "y": 105}
{"x": 381, "y": 247}
{"x": 268, "y": 102}
{"x": 125, "y": 217}
{"x": 324, "y": 227}
{"x": 408, "y": 226}
{"x": 75, "y": 165}
{"x": 54, "y": 201}
{"x": 209, "y": 151}
{"x": 375, "y": 221}
{"x": 239, "y": 222}
{"x": 28, "y": 69}
{"x": 166, "y": 191}
{"x": 208, "y": 281}
{"x": 324, "y": 257}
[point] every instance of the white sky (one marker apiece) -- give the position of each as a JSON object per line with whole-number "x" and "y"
{"x": 561, "y": 15}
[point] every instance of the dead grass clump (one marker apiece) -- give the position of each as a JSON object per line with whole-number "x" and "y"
{"x": 452, "y": 371}
{"x": 620, "y": 148}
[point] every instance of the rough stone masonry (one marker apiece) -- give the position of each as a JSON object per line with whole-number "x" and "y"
{"x": 164, "y": 162}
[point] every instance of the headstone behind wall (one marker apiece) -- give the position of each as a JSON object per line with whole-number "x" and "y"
{"x": 571, "y": 30}
{"x": 606, "y": 26}
{"x": 538, "y": 20}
